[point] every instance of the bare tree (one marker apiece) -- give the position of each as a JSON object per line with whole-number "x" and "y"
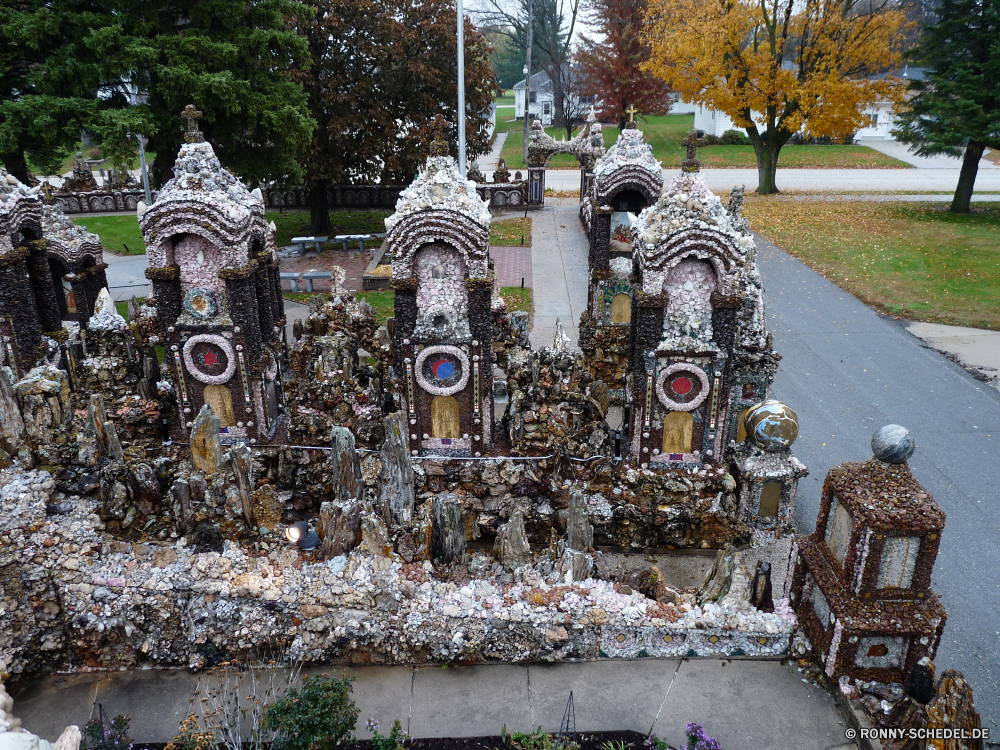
{"x": 553, "y": 24}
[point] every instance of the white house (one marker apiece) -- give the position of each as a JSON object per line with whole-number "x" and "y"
{"x": 542, "y": 104}
{"x": 879, "y": 119}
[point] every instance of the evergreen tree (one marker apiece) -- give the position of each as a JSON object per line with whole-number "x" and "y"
{"x": 957, "y": 107}
{"x": 118, "y": 68}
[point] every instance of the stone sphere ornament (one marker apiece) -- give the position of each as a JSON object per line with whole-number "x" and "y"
{"x": 772, "y": 425}
{"x": 893, "y": 444}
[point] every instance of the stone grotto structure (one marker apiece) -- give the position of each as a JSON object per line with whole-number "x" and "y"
{"x": 443, "y": 279}
{"x": 626, "y": 180}
{"x": 214, "y": 272}
{"x": 862, "y": 579}
{"x": 472, "y": 499}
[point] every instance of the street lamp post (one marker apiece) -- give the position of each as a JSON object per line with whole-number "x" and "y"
{"x": 461, "y": 89}
{"x": 527, "y": 83}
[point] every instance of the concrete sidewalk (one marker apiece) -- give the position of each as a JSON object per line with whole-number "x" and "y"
{"x": 901, "y": 151}
{"x": 558, "y": 270}
{"x": 745, "y": 704}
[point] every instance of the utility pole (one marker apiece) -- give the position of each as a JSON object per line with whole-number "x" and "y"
{"x": 527, "y": 83}
{"x": 461, "y": 89}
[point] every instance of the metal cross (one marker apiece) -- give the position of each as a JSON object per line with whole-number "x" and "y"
{"x": 192, "y": 115}
{"x": 631, "y": 111}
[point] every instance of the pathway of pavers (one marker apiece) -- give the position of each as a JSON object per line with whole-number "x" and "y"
{"x": 558, "y": 269}
{"x": 745, "y": 704}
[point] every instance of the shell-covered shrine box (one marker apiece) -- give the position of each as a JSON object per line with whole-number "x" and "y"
{"x": 627, "y": 179}
{"x": 861, "y": 585}
{"x": 214, "y": 272}
{"x": 443, "y": 281}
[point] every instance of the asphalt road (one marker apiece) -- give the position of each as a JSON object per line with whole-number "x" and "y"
{"x": 846, "y": 371}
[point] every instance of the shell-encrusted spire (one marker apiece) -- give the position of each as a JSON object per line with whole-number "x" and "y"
{"x": 440, "y": 186}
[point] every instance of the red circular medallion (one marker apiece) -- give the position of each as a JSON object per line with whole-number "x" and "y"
{"x": 682, "y": 385}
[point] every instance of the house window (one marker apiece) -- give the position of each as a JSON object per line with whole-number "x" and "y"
{"x": 546, "y": 108}
{"x": 533, "y": 97}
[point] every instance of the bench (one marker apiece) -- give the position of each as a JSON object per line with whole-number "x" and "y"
{"x": 310, "y": 275}
{"x": 294, "y": 278}
{"x": 359, "y": 238}
{"x": 301, "y": 242}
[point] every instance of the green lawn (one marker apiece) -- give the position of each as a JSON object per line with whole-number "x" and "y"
{"x": 382, "y": 302}
{"x": 664, "y": 134}
{"x": 119, "y": 234}
{"x": 914, "y": 260}
{"x": 507, "y": 99}
{"x": 296, "y": 224}
{"x": 509, "y": 232}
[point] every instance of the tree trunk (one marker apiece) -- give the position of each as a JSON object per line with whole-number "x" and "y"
{"x": 967, "y": 178}
{"x": 14, "y": 163}
{"x": 767, "y": 166}
{"x": 163, "y": 165}
{"x": 319, "y": 208}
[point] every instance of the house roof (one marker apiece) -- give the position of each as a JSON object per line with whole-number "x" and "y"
{"x": 540, "y": 81}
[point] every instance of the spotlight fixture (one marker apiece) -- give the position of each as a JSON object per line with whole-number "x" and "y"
{"x": 303, "y": 535}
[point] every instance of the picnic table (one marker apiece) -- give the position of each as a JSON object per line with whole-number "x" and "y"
{"x": 359, "y": 238}
{"x": 301, "y": 242}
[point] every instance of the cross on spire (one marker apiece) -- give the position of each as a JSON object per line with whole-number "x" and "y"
{"x": 631, "y": 112}
{"x": 691, "y": 163}
{"x": 192, "y": 115}
{"x": 439, "y": 143}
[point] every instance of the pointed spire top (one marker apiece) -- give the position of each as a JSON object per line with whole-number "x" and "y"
{"x": 192, "y": 115}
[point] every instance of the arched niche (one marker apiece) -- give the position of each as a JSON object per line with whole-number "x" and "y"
{"x": 199, "y": 261}
{"x": 445, "y": 415}
{"x": 621, "y": 308}
{"x": 63, "y": 290}
{"x": 442, "y": 298}
{"x": 630, "y": 200}
{"x": 221, "y": 401}
{"x": 678, "y": 430}
{"x": 688, "y": 318}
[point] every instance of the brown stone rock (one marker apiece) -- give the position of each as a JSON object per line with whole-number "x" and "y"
{"x": 206, "y": 450}
{"x": 310, "y": 611}
{"x": 163, "y": 557}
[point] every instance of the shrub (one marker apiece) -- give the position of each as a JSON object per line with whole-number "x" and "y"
{"x": 711, "y": 140}
{"x": 319, "y": 715}
{"x": 734, "y": 138}
{"x": 192, "y": 737}
{"x": 104, "y": 734}
{"x": 394, "y": 741}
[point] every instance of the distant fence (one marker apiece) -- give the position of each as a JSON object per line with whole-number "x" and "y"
{"x": 359, "y": 197}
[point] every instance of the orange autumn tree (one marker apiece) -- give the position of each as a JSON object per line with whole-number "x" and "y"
{"x": 778, "y": 66}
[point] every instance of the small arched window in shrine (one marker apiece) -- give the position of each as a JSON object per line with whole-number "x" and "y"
{"x": 621, "y": 308}
{"x": 445, "y": 417}
{"x": 678, "y": 429}
{"x": 741, "y": 425}
{"x": 770, "y": 498}
{"x": 221, "y": 401}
